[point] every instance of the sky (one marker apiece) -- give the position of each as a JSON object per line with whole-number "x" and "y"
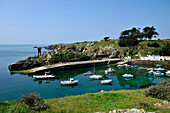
{"x": 67, "y": 21}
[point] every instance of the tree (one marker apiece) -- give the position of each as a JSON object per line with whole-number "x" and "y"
{"x": 129, "y": 37}
{"x": 106, "y": 38}
{"x": 149, "y": 32}
{"x": 165, "y": 50}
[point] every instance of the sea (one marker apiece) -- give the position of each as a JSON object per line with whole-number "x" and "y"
{"x": 14, "y": 85}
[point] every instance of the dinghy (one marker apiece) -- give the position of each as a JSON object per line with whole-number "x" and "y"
{"x": 69, "y": 82}
{"x": 87, "y": 74}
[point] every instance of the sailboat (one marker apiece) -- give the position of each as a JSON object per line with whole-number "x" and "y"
{"x": 96, "y": 77}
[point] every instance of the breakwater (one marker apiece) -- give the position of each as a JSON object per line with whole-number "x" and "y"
{"x": 143, "y": 62}
{"x": 70, "y": 65}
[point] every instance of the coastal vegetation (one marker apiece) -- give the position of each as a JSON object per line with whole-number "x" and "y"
{"x": 90, "y": 102}
{"x": 161, "y": 91}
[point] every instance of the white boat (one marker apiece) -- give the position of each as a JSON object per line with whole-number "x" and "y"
{"x": 44, "y": 76}
{"x": 151, "y": 72}
{"x": 69, "y": 82}
{"x": 160, "y": 69}
{"x": 126, "y": 65}
{"x": 168, "y": 72}
{"x": 97, "y": 77}
{"x": 106, "y": 81}
{"x": 128, "y": 75}
{"x": 150, "y": 69}
{"x": 158, "y": 74}
{"x": 110, "y": 70}
{"x": 119, "y": 66}
{"x": 158, "y": 65}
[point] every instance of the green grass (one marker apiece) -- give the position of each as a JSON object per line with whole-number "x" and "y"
{"x": 104, "y": 102}
{"x": 92, "y": 102}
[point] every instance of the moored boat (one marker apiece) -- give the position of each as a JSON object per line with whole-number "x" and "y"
{"x": 128, "y": 75}
{"x": 106, "y": 81}
{"x": 119, "y": 66}
{"x": 151, "y": 72}
{"x": 168, "y": 72}
{"x": 110, "y": 70}
{"x": 69, "y": 82}
{"x": 45, "y": 76}
{"x": 160, "y": 69}
{"x": 158, "y": 73}
{"x": 87, "y": 73}
{"x": 126, "y": 65}
{"x": 97, "y": 77}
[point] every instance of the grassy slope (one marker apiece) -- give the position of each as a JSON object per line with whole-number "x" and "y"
{"x": 91, "y": 102}
{"x": 105, "y": 101}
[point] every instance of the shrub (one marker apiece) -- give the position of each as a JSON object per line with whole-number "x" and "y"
{"x": 161, "y": 91}
{"x": 34, "y": 101}
{"x": 144, "y": 104}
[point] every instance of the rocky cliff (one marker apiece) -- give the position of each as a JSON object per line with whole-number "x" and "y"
{"x": 57, "y": 53}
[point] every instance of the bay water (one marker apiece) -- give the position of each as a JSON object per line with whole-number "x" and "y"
{"x": 13, "y": 86}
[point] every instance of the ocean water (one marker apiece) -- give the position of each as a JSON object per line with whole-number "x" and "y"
{"x": 13, "y": 86}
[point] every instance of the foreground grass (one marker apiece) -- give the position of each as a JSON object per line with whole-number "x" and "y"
{"x": 105, "y": 101}
{"x": 92, "y": 102}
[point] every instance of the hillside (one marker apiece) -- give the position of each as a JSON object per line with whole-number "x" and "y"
{"x": 88, "y": 50}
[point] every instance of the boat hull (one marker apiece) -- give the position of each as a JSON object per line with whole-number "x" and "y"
{"x": 69, "y": 82}
{"x": 103, "y": 82}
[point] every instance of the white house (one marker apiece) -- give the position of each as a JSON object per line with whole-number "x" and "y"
{"x": 155, "y": 57}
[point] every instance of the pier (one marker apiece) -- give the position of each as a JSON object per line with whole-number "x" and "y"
{"x": 70, "y": 65}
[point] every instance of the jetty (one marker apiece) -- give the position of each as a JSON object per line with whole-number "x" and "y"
{"x": 70, "y": 65}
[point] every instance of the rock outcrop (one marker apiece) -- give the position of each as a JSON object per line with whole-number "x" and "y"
{"x": 66, "y": 53}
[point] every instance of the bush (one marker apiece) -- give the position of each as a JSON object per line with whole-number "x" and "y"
{"x": 34, "y": 101}
{"x": 144, "y": 104}
{"x": 161, "y": 91}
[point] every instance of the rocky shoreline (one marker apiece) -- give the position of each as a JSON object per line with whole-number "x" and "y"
{"x": 61, "y": 53}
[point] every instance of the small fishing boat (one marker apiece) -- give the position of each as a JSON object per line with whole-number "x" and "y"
{"x": 128, "y": 75}
{"x": 69, "y": 82}
{"x": 106, "y": 81}
{"x": 151, "y": 72}
{"x": 158, "y": 73}
{"x": 97, "y": 77}
{"x": 87, "y": 74}
{"x": 110, "y": 70}
{"x": 168, "y": 72}
{"x": 45, "y": 76}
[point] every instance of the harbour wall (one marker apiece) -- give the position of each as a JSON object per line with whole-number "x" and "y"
{"x": 70, "y": 65}
{"x": 135, "y": 62}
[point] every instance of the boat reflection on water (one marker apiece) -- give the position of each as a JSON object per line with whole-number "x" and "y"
{"x": 71, "y": 86}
